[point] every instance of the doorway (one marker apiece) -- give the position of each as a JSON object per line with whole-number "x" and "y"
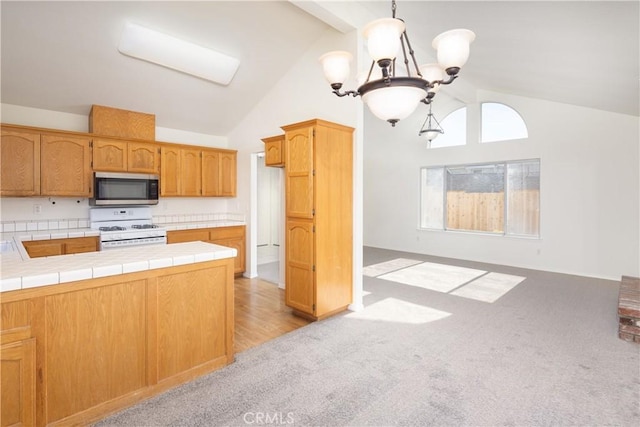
{"x": 268, "y": 221}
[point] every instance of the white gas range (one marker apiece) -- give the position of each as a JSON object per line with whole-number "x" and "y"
{"x": 122, "y": 227}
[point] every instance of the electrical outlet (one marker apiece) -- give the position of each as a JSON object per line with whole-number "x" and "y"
{"x": 37, "y": 209}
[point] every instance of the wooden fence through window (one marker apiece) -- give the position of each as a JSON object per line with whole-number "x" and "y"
{"x": 485, "y": 212}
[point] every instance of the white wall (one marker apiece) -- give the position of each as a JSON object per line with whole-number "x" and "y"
{"x": 19, "y": 208}
{"x": 302, "y": 94}
{"x": 589, "y": 188}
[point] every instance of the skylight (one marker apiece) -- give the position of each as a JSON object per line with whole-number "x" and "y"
{"x": 167, "y": 51}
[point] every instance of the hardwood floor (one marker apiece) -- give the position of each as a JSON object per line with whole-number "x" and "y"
{"x": 260, "y": 313}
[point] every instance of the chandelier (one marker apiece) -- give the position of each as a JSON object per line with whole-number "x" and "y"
{"x": 394, "y": 88}
{"x": 430, "y": 128}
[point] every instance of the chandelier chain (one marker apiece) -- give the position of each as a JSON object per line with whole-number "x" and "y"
{"x": 393, "y": 8}
{"x": 411, "y": 52}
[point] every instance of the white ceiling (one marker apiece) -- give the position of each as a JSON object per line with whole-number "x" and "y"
{"x": 63, "y": 56}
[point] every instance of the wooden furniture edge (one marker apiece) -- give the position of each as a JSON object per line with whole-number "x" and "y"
{"x": 116, "y": 138}
{"x": 18, "y": 333}
{"x": 317, "y": 122}
{"x": 106, "y": 409}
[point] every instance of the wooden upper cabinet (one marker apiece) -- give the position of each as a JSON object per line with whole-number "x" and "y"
{"x": 274, "y": 151}
{"x": 191, "y": 177}
{"x": 299, "y": 173}
{"x": 228, "y": 174}
{"x": 169, "y": 171}
{"x": 143, "y": 157}
{"x": 20, "y": 160}
{"x": 44, "y": 162}
{"x": 125, "y": 156}
{"x": 109, "y": 155}
{"x": 210, "y": 173}
{"x": 191, "y": 172}
{"x": 66, "y": 169}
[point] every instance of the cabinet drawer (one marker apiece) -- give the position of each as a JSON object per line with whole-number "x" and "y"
{"x": 80, "y": 245}
{"x": 42, "y": 248}
{"x": 180, "y": 236}
{"x": 226, "y": 232}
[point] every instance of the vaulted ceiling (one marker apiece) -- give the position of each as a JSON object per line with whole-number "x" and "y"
{"x": 63, "y": 56}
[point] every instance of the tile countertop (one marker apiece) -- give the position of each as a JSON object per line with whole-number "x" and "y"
{"x": 17, "y": 273}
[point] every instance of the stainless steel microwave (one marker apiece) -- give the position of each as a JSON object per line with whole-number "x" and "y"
{"x": 113, "y": 189}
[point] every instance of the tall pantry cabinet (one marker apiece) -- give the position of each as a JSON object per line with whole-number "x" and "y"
{"x": 319, "y": 217}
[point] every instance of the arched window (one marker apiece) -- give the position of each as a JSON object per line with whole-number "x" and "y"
{"x": 455, "y": 130}
{"x": 500, "y": 123}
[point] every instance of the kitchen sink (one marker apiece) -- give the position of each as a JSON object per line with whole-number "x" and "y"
{"x": 7, "y": 246}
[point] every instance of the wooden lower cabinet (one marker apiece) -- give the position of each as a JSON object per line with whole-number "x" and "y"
{"x": 42, "y": 248}
{"x": 18, "y": 373}
{"x": 231, "y": 237}
{"x": 300, "y": 278}
{"x": 101, "y": 345}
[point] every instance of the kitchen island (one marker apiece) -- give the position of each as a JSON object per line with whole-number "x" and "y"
{"x": 88, "y": 334}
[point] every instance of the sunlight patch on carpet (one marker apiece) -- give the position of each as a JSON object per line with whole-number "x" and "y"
{"x": 437, "y": 277}
{"x": 490, "y": 287}
{"x": 399, "y": 311}
{"x": 388, "y": 266}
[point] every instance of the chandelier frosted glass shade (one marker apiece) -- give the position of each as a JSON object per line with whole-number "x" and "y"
{"x": 394, "y": 103}
{"x": 383, "y": 38}
{"x": 453, "y": 47}
{"x": 336, "y": 66}
{"x": 431, "y": 134}
{"x": 432, "y": 73}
